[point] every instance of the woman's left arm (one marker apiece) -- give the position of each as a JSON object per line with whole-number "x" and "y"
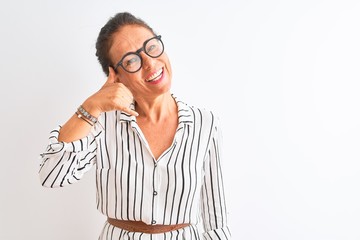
{"x": 214, "y": 212}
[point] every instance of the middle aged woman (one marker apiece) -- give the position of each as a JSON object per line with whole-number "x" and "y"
{"x": 158, "y": 169}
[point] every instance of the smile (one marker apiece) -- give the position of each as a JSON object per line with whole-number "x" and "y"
{"x": 155, "y": 76}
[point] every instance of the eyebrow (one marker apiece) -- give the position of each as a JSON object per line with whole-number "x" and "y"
{"x": 136, "y": 51}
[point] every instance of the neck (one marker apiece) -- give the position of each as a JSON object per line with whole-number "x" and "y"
{"x": 156, "y": 109}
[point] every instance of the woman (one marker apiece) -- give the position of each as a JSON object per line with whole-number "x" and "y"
{"x": 158, "y": 172}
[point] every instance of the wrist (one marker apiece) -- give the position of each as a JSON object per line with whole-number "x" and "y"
{"x": 91, "y": 108}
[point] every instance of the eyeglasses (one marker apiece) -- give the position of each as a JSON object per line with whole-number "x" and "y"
{"x": 132, "y": 61}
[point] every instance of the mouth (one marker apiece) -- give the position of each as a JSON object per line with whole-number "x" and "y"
{"x": 155, "y": 76}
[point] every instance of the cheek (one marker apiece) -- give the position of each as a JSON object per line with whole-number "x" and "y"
{"x": 120, "y": 76}
{"x": 131, "y": 80}
{"x": 167, "y": 63}
{"x": 123, "y": 78}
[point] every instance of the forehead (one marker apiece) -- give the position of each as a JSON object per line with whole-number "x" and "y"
{"x": 129, "y": 38}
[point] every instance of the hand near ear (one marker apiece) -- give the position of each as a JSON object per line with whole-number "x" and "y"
{"x": 113, "y": 95}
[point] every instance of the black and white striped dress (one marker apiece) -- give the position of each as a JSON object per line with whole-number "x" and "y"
{"x": 184, "y": 185}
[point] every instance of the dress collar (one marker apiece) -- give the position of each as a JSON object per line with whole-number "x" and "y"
{"x": 185, "y": 113}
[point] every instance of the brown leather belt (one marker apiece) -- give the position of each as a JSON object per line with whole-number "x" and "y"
{"x": 138, "y": 226}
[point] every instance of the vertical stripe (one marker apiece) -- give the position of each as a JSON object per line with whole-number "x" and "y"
{"x": 121, "y": 173}
{"x": 128, "y": 174}
{"x": 135, "y": 178}
{"x": 117, "y": 137}
{"x": 107, "y": 132}
{"x": 182, "y": 178}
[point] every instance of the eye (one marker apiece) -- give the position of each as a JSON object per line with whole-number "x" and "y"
{"x": 151, "y": 48}
{"x": 131, "y": 61}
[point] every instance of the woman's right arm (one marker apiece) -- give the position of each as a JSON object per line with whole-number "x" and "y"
{"x": 72, "y": 147}
{"x": 112, "y": 96}
{"x": 64, "y": 163}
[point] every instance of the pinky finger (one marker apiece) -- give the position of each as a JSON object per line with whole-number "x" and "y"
{"x": 131, "y": 112}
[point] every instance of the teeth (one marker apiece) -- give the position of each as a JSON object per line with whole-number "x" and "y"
{"x": 155, "y": 75}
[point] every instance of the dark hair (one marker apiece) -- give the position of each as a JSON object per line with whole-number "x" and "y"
{"x": 104, "y": 40}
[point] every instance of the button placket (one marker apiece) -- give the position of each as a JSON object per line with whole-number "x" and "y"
{"x": 155, "y": 199}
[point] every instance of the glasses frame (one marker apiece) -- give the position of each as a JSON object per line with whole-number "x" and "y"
{"x": 137, "y": 52}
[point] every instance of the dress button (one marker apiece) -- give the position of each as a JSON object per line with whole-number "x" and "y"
{"x": 155, "y": 192}
{"x": 155, "y": 164}
{"x": 153, "y": 222}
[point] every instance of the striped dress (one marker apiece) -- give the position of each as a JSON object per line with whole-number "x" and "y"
{"x": 184, "y": 185}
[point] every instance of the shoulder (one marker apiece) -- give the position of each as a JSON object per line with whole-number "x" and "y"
{"x": 205, "y": 114}
{"x": 200, "y": 116}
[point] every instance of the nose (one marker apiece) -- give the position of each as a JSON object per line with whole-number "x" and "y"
{"x": 148, "y": 62}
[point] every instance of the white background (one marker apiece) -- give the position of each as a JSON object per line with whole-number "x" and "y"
{"x": 283, "y": 76}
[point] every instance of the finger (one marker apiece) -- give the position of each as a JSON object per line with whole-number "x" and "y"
{"x": 130, "y": 111}
{"x": 113, "y": 72}
{"x": 112, "y": 76}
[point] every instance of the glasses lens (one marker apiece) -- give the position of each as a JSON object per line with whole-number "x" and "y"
{"x": 154, "y": 48}
{"x": 131, "y": 63}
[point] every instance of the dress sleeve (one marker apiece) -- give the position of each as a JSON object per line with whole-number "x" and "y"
{"x": 214, "y": 212}
{"x": 65, "y": 163}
